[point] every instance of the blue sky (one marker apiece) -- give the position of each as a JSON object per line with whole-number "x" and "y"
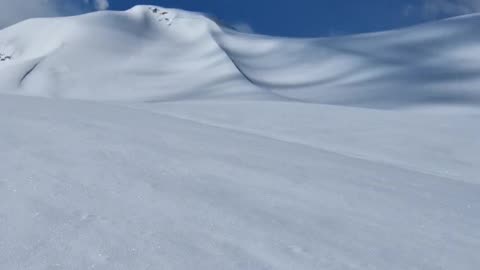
{"x": 317, "y": 17}
{"x": 299, "y": 18}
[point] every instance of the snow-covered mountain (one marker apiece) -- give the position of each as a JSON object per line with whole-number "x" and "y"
{"x": 156, "y": 54}
{"x": 163, "y": 140}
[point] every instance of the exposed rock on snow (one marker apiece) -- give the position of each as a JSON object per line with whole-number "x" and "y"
{"x": 163, "y": 15}
{"x": 4, "y": 57}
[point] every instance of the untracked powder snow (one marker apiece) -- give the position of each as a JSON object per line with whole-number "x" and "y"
{"x": 156, "y": 138}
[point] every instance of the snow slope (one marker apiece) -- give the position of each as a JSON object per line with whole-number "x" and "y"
{"x": 136, "y": 55}
{"x": 87, "y": 185}
{"x": 408, "y": 139}
{"x": 146, "y": 55}
{"x": 158, "y": 139}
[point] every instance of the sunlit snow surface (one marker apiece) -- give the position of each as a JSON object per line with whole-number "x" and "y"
{"x": 179, "y": 144}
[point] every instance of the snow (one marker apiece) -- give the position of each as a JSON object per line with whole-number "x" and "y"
{"x": 129, "y": 141}
{"x": 191, "y": 57}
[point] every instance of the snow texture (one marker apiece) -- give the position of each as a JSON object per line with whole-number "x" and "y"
{"x": 158, "y": 139}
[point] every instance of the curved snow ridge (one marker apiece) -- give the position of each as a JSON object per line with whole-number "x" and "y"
{"x": 150, "y": 53}
{"x": 140, "y": 54}
{"x": 436, "y": 63}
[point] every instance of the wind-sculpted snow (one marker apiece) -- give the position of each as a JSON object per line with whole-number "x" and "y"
{"x": 437, "y": 63}
{"x": 156, "y": 54}
{"x": 91, "y": 185}
{"x": 134, "y": 55}
{"x": 197, "y": 147}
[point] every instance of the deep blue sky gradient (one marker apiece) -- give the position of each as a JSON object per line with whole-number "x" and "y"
{"x": 301, "y": 17}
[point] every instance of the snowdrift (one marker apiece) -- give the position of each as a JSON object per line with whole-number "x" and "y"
{"x": 156, "y": 54}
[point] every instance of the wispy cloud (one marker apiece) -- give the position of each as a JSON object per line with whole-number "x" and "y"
{"x": 13, "y": 11}
{"x": 243, "y": 27}
{"x": 99, "y": 4}
{"x": 435, "y": 8}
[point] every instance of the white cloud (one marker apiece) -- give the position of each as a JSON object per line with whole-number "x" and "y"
{"x": 13, "y": 11}
{"x": 98, "y": 4}
{"x": 243, "y": 27}
{"x": 102, "y": 4}
{"x": 434, "y": 8}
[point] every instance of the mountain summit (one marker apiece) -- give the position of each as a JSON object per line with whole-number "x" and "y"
{"x": 150, "y": 53}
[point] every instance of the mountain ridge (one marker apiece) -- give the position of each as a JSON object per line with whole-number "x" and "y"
{"x": 198, "y": 59}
